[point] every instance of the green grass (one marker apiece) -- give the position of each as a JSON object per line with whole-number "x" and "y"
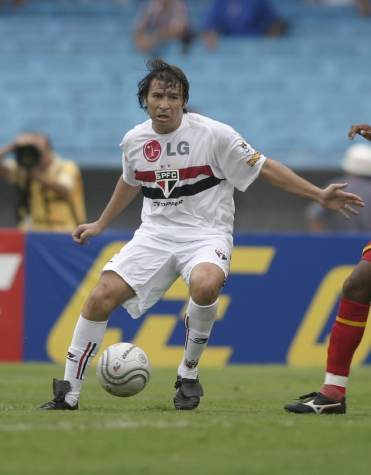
{"x": 239, "y": 428}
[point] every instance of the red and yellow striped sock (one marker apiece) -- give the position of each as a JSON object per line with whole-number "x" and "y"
{"x": 346, "y": 335}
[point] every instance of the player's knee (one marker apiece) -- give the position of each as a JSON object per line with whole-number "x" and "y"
{"x": 356, "y": 290}
{"x": 100, "y": 302}
{"x": 204, "y": 293}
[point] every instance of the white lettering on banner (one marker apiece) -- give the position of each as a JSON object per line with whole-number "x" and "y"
{"x": 9, "y": 265}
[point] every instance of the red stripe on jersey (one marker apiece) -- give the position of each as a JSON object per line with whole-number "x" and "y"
{"x": 145, "y": 176}
{"x": 194, "y": 172}
{"x": 184, "y": 173}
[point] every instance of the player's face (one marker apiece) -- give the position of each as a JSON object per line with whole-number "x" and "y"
{"x": 165, "y": 106}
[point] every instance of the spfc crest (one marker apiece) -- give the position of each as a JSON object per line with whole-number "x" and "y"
{"x": 167, "y": 180}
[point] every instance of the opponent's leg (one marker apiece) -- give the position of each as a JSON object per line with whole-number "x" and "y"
{"x": 110, "y": 292}
{"x": 205, "y": 283}
{"x": 345, "y": 338}
{"x": 348, "y": 330}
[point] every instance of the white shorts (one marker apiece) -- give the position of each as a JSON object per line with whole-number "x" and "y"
{"x": 150, "y": 265}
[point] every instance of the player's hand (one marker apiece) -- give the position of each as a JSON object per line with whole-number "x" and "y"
{"x": 334, "y": 198}
{"x": 362, "y": 129}
{"x": 83, "y": 232}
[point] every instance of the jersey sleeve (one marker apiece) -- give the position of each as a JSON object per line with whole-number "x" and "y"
{"x": 128, "y": 174}
{"x": 236, "y": 160}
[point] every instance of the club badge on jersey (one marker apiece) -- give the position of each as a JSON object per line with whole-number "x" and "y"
{"x": 167, "y": 180}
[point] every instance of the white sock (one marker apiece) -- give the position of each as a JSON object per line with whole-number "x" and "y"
{"x": 86, "y": 340}
{"x": 199, "y": 321}
{"x": 336, "y": 380}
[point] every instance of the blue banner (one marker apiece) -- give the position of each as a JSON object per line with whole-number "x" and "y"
{"x": 277, "y": 306}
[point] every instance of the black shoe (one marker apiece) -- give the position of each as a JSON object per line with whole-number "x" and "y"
{"x": 317, "y": 403}
{"x": 60, "y": 389}
{"x": 188, "y": 393}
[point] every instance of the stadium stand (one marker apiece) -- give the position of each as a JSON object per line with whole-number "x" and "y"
{"x": 69, "y": 68}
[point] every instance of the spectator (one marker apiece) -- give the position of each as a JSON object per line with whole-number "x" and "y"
{"x": 161, "y": 22}
{"x": 242, "y": 18}
{"x": 49, "y": 189}
{"x": 13, "y": 3}
{"x": 363, "y": 6}
{"x": 357, "y": 166}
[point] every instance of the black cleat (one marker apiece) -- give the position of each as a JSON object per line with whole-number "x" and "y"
{"x": 60, "y": 389}
{"x": 188, "y": 393}
{"x": 317, "y": 403}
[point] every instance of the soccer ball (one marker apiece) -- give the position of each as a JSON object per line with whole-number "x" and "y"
{"x": 123, "y": 369}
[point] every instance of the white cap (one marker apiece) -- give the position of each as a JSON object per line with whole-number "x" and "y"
{"x": 357, "y": 160}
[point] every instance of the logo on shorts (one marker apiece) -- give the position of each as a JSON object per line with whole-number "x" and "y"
{"x": 221, "y": 254}
{"x": 167, "y": 180}
{"x": 152, "y": 150}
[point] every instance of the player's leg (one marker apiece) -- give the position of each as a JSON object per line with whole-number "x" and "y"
{"x": 205, "y": 269}
{"x": 348, "y": 330}
{"x": 345, "y": 338}
{"x": 205, "y": 283}
{"x": 136, "y": 277}
{"x": 110, "y": 292}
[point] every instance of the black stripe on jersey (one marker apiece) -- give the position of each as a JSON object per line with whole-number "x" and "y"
{"x": 185, "y": 190}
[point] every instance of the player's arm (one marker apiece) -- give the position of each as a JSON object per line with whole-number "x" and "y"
{"x": 122, "y": 196}
{"x": 332, "y": 197}
{"x": 362, "y": 129}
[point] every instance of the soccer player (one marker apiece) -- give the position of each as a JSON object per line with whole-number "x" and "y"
{"x": 346, "y": 333}
{"x": 187, "y": 167}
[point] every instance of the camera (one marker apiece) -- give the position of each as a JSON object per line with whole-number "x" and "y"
{"x": 27, "y": 156}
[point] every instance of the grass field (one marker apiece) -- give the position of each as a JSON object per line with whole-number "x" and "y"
{"x": 239, "y": 428}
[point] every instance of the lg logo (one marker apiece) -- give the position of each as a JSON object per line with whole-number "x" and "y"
{"x": 152, "y": 150}
{"x": 182, "y": 148}
{"x": 9, "y": 265}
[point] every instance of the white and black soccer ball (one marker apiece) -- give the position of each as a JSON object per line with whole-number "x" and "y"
{"x": 123, "y": 369}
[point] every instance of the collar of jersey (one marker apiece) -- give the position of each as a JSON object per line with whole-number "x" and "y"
{"x": 181, "y": 126}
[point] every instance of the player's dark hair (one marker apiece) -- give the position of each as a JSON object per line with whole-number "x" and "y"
{"x": 172, "y": 75}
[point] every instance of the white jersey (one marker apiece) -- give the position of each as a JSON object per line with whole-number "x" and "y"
{"x": 188, "y": 176}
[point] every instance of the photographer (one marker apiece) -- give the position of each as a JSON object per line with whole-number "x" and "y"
{"x": 49, "y": 190}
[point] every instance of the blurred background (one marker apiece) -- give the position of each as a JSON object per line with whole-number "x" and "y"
{"x": 69, "y": 69}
